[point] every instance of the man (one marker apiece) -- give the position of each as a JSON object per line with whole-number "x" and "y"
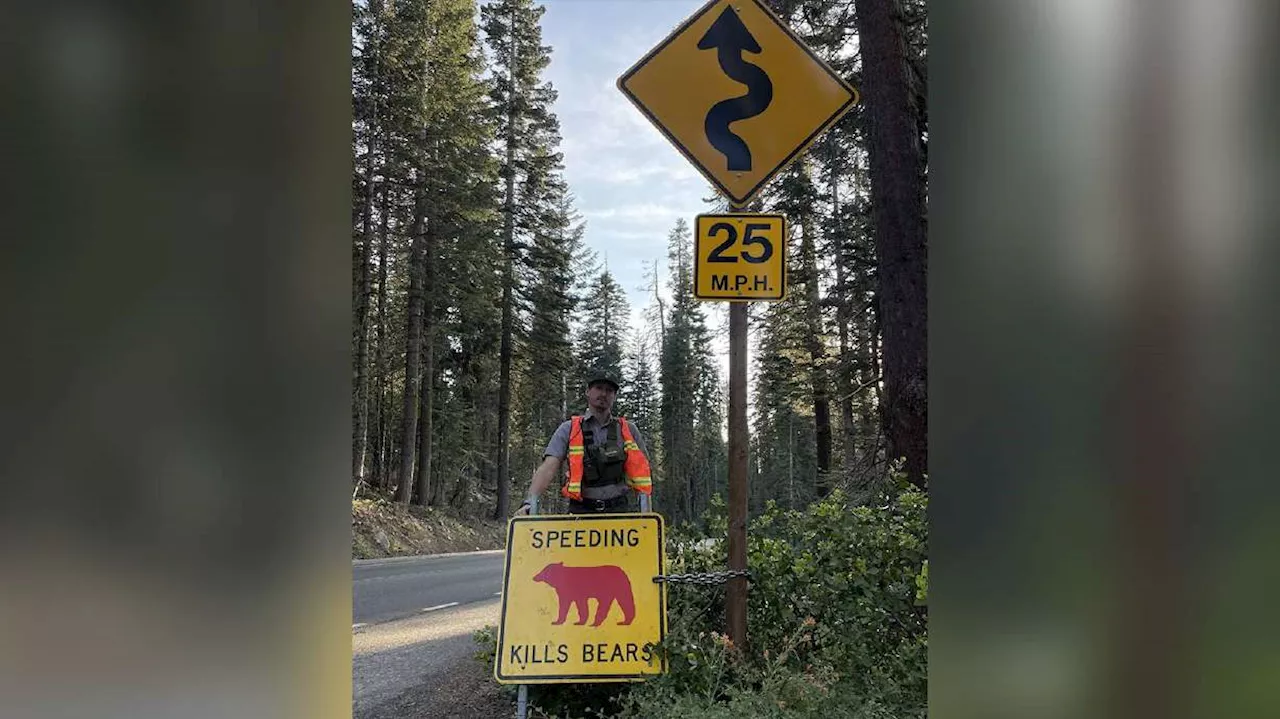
{"x": 607, "y": 457}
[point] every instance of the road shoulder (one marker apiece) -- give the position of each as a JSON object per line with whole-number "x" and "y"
{"x": 419, "y": 557}
{"x": 465, "y": 691}
{"x": 425, "y": 666}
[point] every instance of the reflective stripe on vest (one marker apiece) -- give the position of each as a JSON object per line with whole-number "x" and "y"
{"x": 635, "y": 468}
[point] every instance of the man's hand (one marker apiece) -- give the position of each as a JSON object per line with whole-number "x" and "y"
{"x": 541, "y": 478}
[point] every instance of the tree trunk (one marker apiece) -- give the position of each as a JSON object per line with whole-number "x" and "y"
{"x": 461, "y": 438}
{"x": 691, "y": 479}
{"x": 845, "y": 296}
{"x": 508, "y": 302}
{"x": 413, "y": 346}
{"x": 360, "y": 404}
{"x": 421, "y": 495}
{"x": 844, "y": 378}
{"x": 662, "y": 312}
{"x": 876, "y": 364}
{"x": 361, "y": 400}
{"x": 817, "y": 355}
{"x": 607, "y": 306}
{"x": 382, "y": 429}
{"x": 898, "y": 203}
{"x": 791, "y": 460}
{"x": 429, "y": 367}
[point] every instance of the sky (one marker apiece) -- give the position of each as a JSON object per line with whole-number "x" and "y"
{"x": 629, "y": 182}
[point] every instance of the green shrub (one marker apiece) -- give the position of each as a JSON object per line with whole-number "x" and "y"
{"x": 836, "y": 617}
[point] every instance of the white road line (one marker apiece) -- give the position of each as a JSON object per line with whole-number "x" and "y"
{"x": 358, "y": 625}
{"x": 440, "y": 606}
{"x": 497, "y": 594}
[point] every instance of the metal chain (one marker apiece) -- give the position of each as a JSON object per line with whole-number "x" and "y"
{"x": 707, "y": 579}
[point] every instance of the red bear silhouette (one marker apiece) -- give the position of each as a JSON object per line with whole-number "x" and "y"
{"x": 575, "y": 585}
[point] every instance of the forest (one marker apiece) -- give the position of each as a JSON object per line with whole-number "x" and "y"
{"x": 478, "y": 306}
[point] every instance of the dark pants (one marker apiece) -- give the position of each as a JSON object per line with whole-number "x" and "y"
{"x": 617, "y": 505}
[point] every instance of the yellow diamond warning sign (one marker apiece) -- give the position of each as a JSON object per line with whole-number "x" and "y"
{"x": 738, "y": 93}
{"x": 579, "y": 603}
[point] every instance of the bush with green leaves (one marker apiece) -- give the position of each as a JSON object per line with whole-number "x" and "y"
{"x": 836, "y": 621}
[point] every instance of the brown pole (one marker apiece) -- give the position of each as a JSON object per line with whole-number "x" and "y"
{"x": 736, "y": 599}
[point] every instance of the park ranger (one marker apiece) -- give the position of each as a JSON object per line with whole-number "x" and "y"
{"x": 607, "y": 456}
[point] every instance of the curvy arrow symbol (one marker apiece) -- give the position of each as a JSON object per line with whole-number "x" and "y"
{"x": 731, "y": 38}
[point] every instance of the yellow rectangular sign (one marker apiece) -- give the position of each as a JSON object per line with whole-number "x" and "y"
{"x": 579, "y": 603}
{"x": 740, "y": 256}
{"x": 738, "y": 93}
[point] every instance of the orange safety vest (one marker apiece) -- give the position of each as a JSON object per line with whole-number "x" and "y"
{"x": 635, "y": 467}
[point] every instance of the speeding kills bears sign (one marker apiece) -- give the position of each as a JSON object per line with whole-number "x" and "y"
{"x": 579, "y": 603}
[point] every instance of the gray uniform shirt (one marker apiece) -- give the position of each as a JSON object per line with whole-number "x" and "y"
{"x": 559, "y": 447}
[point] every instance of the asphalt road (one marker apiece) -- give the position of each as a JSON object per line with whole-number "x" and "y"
{"x": 383, "y": 590}
{"x": 412, "y": 652}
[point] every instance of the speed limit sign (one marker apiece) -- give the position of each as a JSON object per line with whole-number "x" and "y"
{"x": 740, "y": 256}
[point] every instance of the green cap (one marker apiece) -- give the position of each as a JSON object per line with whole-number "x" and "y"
{"x": 606, "y": 377}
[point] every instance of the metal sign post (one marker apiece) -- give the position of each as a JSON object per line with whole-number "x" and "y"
{"x": 736, "y": 598}
{"x": 522, "y": 694}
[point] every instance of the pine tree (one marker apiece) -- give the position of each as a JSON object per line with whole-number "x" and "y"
{"x": 424, "y": 177}
{"x": 643, "y": 396}
{"x": 710, "y": 468}
{"x": 469, "y": 367}
{"x": 797, "y": 197}
{"x": 370, "y": 22}
{"x": 407, "y": 49}
{"x": 460, "y": 190}
{"x": 529, "y": 135}
{"x": 640, "y": 395}
{"x": 381, "y": 392}
{"x": 897, "y": 191}
{"x": 785, "y": 462}
{"x": 683, "y": 364}
{"x": 548, "y": 353}
{"x": 604, "y": 323}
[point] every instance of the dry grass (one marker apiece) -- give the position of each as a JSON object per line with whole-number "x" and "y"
{"x": 385, "y": 529}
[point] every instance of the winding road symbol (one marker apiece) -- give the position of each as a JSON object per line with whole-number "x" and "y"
{"x": 730, "y": 38}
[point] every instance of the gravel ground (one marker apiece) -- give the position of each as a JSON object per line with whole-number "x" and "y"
{"x": 423, "y": 668}
{"x": 463, "y": 692}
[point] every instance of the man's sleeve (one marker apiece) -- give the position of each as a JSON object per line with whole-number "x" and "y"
{"x": 559, "y": 444}
{"x": 639, "y": 438}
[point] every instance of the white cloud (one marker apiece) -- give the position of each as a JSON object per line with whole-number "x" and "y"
{"x": 601, "y": 118}
{"x": 636, "y": 235}
{"x": 645, "y": 212}
{"x": 629, "y": 170}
